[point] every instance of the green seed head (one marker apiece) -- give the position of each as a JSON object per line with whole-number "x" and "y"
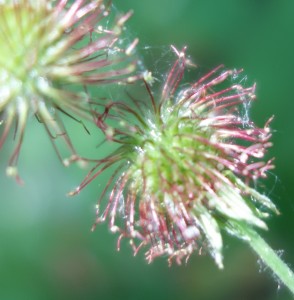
{"x": 46, "y": 47}
{"x": 184, "y": 166}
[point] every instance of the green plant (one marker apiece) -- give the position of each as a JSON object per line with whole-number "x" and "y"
{"x": 186, "y": 161}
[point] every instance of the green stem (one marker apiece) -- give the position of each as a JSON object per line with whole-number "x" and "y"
{"x": 268, "y": 256}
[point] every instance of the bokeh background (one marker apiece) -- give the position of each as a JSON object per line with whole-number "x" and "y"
{"x": 47, "y": 250}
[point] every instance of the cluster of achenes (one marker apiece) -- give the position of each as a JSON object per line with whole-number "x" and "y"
{"x": 184, "y": 165}
{"x": 46, "y": 47}
{"x": 186, "y": 158}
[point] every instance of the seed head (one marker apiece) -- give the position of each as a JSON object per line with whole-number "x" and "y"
{"x": 184, "y": 166}
{"x": 48, "y": 46}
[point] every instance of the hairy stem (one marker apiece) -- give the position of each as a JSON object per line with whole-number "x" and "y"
{"x": 268, "y": 256}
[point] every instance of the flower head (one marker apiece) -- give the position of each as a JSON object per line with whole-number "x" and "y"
{"x": 184, "y": 166}
{"x": 47, "y": 46}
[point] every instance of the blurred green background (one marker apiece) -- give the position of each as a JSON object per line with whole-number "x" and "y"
{"x": 47, "y": 250}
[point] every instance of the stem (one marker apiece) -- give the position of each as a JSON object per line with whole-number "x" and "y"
{"x": 268, "y": 256}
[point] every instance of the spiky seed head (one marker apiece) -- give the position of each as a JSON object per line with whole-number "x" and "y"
{"x": 185, "y": 166}
{"x": 48, "y": 46}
